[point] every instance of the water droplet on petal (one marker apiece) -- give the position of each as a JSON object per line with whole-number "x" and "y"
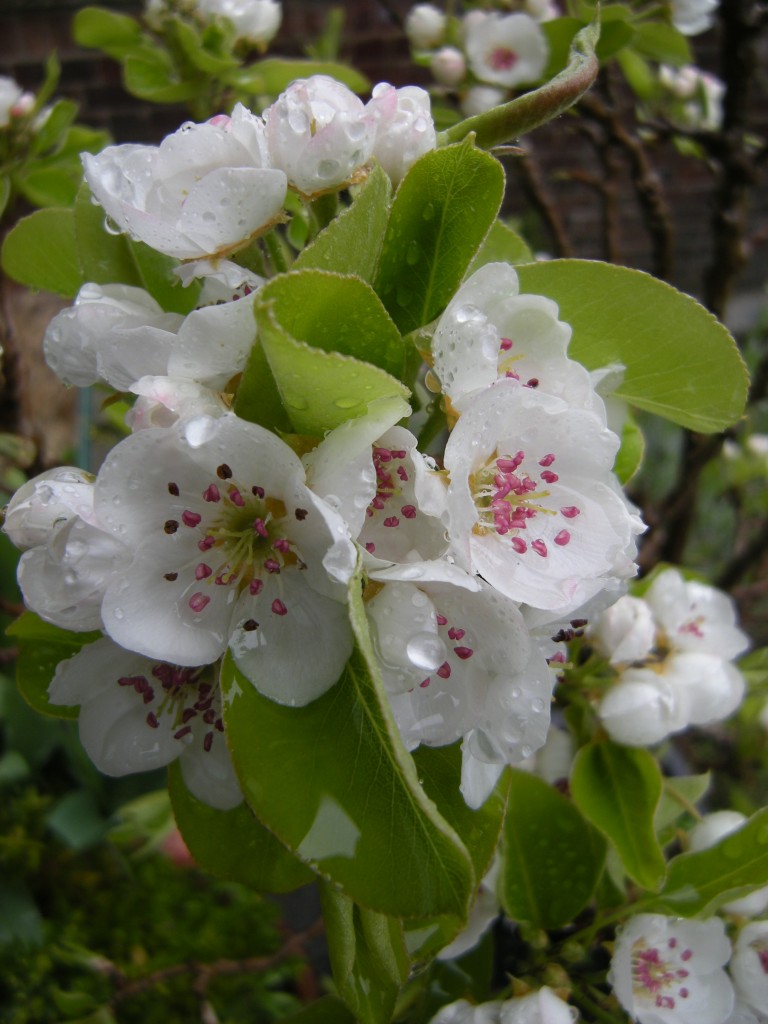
{"x": 426, "y": 651}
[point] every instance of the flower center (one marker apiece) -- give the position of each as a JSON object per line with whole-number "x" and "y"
{"x": 391, "y": 474}
{"x": 658, "y": 981}
{"x": 509, "y": 499}
{"x": 507, "y": 360}
{"x": 183, "y": 693}
{"x": 243, "y": 542}
{"x": 502, "y": 58}
{"x": 434, "y": 648}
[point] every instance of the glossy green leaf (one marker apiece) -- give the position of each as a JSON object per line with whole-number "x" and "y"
{"x": 57, "y": 122}
{"x": 52, "y": 264}
{"x": 258, "y": 399}
{"x": 193, "y": 48}
{"x": 552, "y": 857}
{"x": 41, "y": 648}
{"x": 523, "y": 114}
{"x": 439, "y": 770}
{"x": 698, "y": 883}
{"x": 5, "y": 192}
{"x": 618, "y": 789}
{"x": 680, "y": 362}
{"x": 333, "y": 782}
{"x": 367, "y": 956}
{"x": 319, "y": 390}
{"x": 336, "y": 313}
{"x": 442, "y": 212}
{"x": 352, "y": 242}
{"x": 98, "y": 28}
{"x": 502, "y": 245}
{"x": 104, "y": 258}
{"x": 50, "y": 186}
{"x": 233, "y": 844}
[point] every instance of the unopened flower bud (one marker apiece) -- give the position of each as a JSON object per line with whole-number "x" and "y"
{"x": 448, "y": 66}
{"x": 424, "y": 26}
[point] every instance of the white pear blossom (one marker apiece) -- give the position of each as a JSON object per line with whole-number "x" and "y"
{"x": 320, "y": 134}
{"x": 749, "y": 966}
{"x": 137, "y": 714}
{"x": 693, "y": 16}
{"x": 119, "y": 334}
{"x": 462, "y": 1012}
{"x": 12, "y": 100}
{"x": 644, "y": 708}
{"x": 626, "y": 631}
{"x": 404, "y": 129}
{"x": 458, "y": 661}
{"x": 255, "y": 21}
{"x": 231, "y": 550}
{"x": 667, "y": 970}
{"x": 206, "y": 190}
{"x": 532, "y": 504}
{"x": 425, "y": 26}
{"x": 484, "y": 912}
{"x": 448, "y": 66}
{"x": 68, "y": 559}
{"x": 542, "y": 1007}
{"x": 479, "y": 98}
{"x": 490, "y": 331}
{"x": 710, "y": 830}
{"x": 695, "y": 617}
{"x": 162, "y": 401}
{"x": 506, "y": 50}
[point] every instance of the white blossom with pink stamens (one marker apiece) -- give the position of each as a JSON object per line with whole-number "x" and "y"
{"x": 667, "y": 970}
{"x": 506, "y": 49}
{"x": 490, "y": 331}
{"x": 404, "y": 129}
{"x": 458, "y": 662}
{"x": 749, "y": 966}
{"x": 231, "y": 550}
{"x": 137, "y": 714}
{"x": 533, "y": 505}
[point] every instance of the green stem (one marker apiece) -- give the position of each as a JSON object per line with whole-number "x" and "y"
{"x": 587, "y": 1003}
{"x": 276, "y": 254}
{"x": 501, "y": 124}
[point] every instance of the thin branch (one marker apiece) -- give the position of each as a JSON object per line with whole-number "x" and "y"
{"x": 747, "y": 559}
{"x": 203, "y": 974}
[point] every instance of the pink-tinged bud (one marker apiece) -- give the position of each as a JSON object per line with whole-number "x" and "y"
{"x": 425, "y": 26}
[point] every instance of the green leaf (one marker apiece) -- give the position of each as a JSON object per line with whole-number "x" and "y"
{"x": 660, "y": 42}
{"x": 336, "y": 313}
{"x": 233, "y": 844}
{"x": 41, "y": 252}
{"x": 552, "y": 857}
{"x": 57, "y": 122}
{"x": 194, "y": 49}
{"x": 630, "y": 456}
{"x": 680, "y": 793}
{"x": 97, "y": 28}
{"x": 41, "y": 648}
{"x": 5, "y": 192}
{"x": 319, "y": 390}
{"x": 698, "y": 883}
{"x": 155, "y": 273}
{"x": 367, "y": 956}
{"x": 352, "y": 242}
{"x": 77, "y": 820}
{"x": 50, "y": 186}
{"x": 21, "y": 921}
{"x": 104, "y": 258}
{"x": 439, "y": 770}
{"x": 150, "y": 75}
{"x": 618, "y": 789}
{"x": 258, "y": 399}
{"x": 442, "y": 212}
{"x": 499, "y": 125}
{"x": 333, "y": 782}
{"x": 502, "y": 245}
{"x": 274, "y": 74}
{"x": 680, "y": 362}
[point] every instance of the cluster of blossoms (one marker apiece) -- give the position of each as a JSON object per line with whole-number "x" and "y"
{"x": 486, "y": 55}
{"x": 689, "y": 98}
{"x": 203, "y": 533}
{"x": 541, "y": 1007}
{"x": 673, "y": 650}
{"x": 255, "y": 22}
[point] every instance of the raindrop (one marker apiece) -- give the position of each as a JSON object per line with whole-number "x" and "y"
{"x": 538, "y": 704}
{"x": 297, "y": 402}
{"x": 201, "y": 430}
{"x": 327, "y": 168}
{"x": 412, "y": 253}
{"x": 110, "y": 227}
{"x": 428, "y": 212}
{"x": 346, "y": 403}
{"x": 426, "y": 651}
{"x": 119, "y": 613}
{"x": 467, "y": 312}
